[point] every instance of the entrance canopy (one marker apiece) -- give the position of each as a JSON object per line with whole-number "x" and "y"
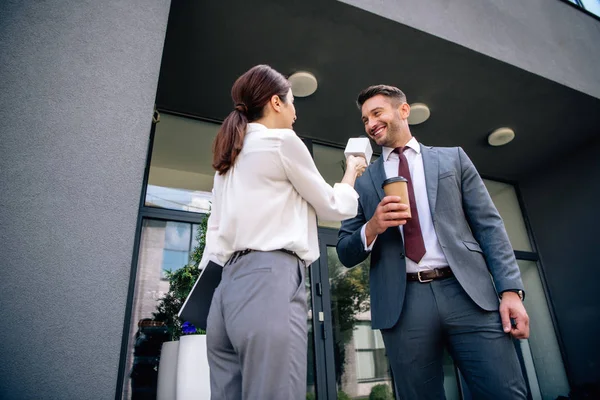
{"x": 209, "y": 44}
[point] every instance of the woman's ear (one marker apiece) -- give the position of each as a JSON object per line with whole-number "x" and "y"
{"x": 276, "y": 103}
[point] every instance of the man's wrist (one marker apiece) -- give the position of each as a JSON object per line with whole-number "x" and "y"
{"x": 369, "y": 234}
{"x": 519, "y": 292}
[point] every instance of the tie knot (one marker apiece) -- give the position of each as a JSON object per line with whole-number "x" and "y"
{"x": 399, "y": 150}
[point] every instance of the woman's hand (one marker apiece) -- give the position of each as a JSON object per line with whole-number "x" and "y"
{"x": 356, "y": 164}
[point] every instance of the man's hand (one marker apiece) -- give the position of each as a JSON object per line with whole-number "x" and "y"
{"x": 511, "y": 306}
{"x": 390, "y": 212}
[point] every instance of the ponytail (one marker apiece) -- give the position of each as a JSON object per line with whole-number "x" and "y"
{"x": 230, "y": 140}
{"x": 250, "y": 93}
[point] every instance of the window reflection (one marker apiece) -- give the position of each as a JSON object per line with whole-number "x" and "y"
{"x": 505, "y": 199}
{"x": 361, "y": 367}
{"x": 163, "y": 245}
{"x": 541, "y": 353}
{"x": 181, "y": 175}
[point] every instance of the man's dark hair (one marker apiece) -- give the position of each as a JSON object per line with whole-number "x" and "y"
{"x": 392, "y": 92}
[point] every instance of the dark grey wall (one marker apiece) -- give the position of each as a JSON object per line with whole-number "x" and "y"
{"x": 545, "y": 37}
{"x": 562, "y": 204}
{"x": 77, "y": 86}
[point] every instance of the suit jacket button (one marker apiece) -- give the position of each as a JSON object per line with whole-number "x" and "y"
{"x": 401, "y": 256}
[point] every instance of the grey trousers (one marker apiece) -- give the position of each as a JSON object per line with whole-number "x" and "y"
{"x": 257, "y": 330}
{"x": 440, "y": 314}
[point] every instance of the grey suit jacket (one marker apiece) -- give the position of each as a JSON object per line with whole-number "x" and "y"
{"x": 468, "y": 226}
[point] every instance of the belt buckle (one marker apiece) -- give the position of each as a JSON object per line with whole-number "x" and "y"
{"x": 423, "y": 280}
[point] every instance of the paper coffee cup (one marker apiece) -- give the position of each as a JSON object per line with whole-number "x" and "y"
{"x": 397, "y": 186}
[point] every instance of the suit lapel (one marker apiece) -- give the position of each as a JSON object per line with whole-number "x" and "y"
{"x": 377, "y": 173}
{"x": 431, "y": 167}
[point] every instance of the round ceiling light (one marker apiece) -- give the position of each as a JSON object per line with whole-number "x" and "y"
{"x": 501, "y": 136}
{"x": 303, "y": 84}
{"x": 419, "y": 113}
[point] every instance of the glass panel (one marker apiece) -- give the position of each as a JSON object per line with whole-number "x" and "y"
{"x": 542, "y": 343}
{"x": 505, "y": 199}
{"x": 162, "y": 245}
{"x": 181, "y": 175}
{"x": 361, "y": 366}
{"x": 592, "y": 6}
{"x": 176, "y": 252}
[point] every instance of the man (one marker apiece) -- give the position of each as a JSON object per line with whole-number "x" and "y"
{"x": 430, "y": 274}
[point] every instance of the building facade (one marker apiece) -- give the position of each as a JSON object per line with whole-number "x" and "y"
{"x": 109, "y": 111}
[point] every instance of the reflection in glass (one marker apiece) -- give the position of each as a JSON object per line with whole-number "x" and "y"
{"x": 361, "y": 366}
{"x": 163, "y": 244}
{"x": 545, "y": 362}
{"x": 181, "y": 175}
{"x": 505, "y": 199}
{"x": 592, "y": 6}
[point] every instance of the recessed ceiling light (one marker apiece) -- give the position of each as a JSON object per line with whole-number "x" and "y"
{"x": 419, "y": 113}
{"x": 303, "y": 83}
{"x": 501, "y": 136}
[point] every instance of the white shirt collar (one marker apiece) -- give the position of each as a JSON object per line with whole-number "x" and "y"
{"x": 412, "y": 143}
{"x": 255, "y": 126}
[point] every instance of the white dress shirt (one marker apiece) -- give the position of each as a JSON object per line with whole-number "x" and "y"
{"x": 270, "y": 199}
{"x": 434, "y": 256}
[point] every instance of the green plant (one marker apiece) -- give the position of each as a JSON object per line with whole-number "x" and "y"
{"x": 341, "y": 395}
{"x": 381, "y": 392}
{"x": 181, "y": 282}
{"x": 310, "y": 396}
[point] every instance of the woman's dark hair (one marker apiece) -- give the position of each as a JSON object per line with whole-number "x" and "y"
{"x": 250, "y": 93}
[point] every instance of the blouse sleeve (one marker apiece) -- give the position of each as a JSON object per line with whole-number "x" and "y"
{"x": 335, "y": 203}
{"x": 210, "y": 251}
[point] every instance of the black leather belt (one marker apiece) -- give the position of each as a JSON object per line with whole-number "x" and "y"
{"x": 428, "y": 276}
{"x": 238, "y": 254}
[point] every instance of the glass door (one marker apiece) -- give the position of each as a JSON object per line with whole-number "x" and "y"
{"x": 355, "y": 359}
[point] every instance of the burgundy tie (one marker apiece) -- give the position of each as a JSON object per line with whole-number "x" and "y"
{"x": 413, "y": 237}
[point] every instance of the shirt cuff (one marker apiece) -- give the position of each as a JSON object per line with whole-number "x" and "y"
{"x": 363, "y": 236}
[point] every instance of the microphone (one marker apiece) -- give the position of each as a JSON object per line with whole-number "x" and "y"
{"x": 360, "y": 146}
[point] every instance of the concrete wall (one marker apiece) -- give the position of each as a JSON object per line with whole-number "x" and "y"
{"x": 545, "y": 37}
{"x": 77, "y": 86}
{"x": 562, "y": 204}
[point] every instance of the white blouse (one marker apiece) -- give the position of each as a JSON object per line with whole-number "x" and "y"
{"x": 270, "y": 198}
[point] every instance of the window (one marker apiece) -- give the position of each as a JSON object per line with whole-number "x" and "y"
{"x": 591, "y": 6}
{"x": 371, "y": 363}
{"x": 177, "y": 247}
{"x": 181, "y": 175}
{"x": 163, "y": 245}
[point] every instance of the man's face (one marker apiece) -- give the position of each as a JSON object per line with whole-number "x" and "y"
{"x": 383, "y": 120}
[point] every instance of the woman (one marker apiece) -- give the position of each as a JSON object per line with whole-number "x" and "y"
{"x": 262, "y": 228}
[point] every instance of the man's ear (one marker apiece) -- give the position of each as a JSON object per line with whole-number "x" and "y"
{"x": 404, "y": 110}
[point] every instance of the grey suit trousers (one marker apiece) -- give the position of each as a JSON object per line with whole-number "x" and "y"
{"x": 257, "y": 329}
{"x": 440, "y": 314}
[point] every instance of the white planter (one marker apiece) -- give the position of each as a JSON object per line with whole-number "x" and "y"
{"x": 167, "y": 371}
{"x": 193, "y": 376}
